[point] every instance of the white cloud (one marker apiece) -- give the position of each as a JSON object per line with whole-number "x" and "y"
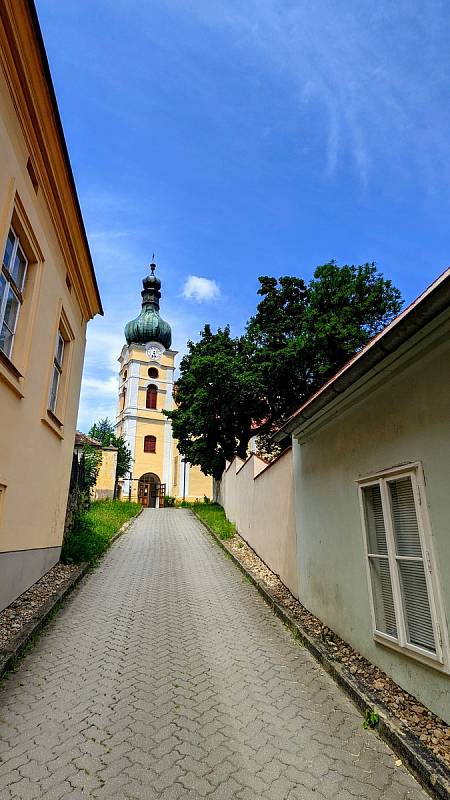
{"x": 200, "y": 289}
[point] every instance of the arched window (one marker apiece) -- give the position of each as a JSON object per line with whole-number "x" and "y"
{"x": 149, "y": 444}
{"x": 125, "y": 373}
{"x": 153, "y": 372}
{"x": 152, "y": 393}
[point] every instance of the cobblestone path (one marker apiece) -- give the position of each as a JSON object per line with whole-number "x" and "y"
{"x": 166, "y": 676}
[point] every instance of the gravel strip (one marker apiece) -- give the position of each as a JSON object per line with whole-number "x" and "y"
{"x": 27, "y": 607}
{"x": 432, "y": 731}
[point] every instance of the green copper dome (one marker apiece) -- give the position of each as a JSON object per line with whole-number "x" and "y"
{"x": 148, "y": 326}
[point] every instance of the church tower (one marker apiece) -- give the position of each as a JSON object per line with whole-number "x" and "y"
{"x": 147, "y": 365}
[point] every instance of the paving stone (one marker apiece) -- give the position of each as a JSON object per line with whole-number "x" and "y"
{"x": 165, "y": 677}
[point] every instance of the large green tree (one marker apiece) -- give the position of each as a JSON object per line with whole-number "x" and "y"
{"x": 103, "y": 431}
{"x": 232, "y": 388}
{"x": 303, "y": 333}
{"x": 217, "y": 404}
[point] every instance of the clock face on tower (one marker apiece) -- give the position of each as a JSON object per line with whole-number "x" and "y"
{"x": 154, "y": 350}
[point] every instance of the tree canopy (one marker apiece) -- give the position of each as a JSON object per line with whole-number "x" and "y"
{"x": 103, "y": 431}
{"x": 216, "y": 400}
{"x": 230, "y": 389}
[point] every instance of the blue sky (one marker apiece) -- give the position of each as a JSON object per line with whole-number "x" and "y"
{"x": 238, "y": 138}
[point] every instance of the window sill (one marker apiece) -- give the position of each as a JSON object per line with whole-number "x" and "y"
{"x": 429, "y": 660}
{"x": 55, "y": 425}
{"x": 10, "y": 374}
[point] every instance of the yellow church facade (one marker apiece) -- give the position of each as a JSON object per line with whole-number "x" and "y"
{"x": 146, "y": 388}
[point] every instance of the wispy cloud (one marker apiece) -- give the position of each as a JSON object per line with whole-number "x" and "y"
{"x": 374, "y": 69}
{"x": 200, "y": 289}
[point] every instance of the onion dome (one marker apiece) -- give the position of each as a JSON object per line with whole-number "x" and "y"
{"x": 148, "y": 326}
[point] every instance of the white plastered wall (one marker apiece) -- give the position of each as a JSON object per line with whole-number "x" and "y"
{"x": 404, "y": 418}
{"x": 258, "y": 499}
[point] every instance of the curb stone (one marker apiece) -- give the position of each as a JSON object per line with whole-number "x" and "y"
{"x": 432, "y": 774}
{"x": 10, "y": 655}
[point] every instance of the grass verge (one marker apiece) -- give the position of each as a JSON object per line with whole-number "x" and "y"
{"x": 93, "y": 530}
{"x": 214, "y": 516}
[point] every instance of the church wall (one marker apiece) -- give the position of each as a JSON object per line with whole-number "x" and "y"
{"x": 135, "y": 421}
{"x": 200, "y": 485}
{"x": 149, "y": 462}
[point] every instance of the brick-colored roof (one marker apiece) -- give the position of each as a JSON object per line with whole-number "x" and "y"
{"x": 82, "y": 438}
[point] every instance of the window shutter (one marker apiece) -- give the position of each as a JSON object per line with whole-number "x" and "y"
{"x": 410, "y": 563}
{"x": 380, "y": 574}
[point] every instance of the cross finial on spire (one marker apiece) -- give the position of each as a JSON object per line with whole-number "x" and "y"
{"x": 153, "y": 265}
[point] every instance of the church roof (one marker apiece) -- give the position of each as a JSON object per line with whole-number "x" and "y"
{"x": 149, "y": 325}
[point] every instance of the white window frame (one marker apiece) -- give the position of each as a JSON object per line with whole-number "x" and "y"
{"x": 56, "y": 370}
{"x": 400, "y": 643}
{"x": 11, "y": 284}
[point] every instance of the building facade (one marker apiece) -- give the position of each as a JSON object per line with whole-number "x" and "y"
{"x": 146, "y": 383}
{"x": 48, "y": 292}
{"x": 355, "y": 518}
{"x": 371, "y": 464}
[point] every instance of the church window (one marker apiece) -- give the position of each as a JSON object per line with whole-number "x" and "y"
{"x": 149, "y": 444}
{"x": 125, "y": 373}
{"x": 152, "y": 393}
{"x": 153, "y": 372}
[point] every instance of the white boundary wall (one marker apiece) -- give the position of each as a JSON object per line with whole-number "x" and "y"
{"x": 259, "y": 499}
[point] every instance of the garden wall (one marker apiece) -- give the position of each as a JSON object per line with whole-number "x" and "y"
{"x": 258, "y": 498}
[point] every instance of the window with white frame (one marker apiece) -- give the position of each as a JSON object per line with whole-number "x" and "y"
{"x": 12, "y": 280}
{"x": 56, "y": 372}
{"x": 400, "y": 571}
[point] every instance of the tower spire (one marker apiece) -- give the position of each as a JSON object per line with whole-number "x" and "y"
{"x": 149, "y": 326}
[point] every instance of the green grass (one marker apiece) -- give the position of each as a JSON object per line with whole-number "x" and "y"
{"x": 94, "y": 529}
{"x": 215, "y": 518}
